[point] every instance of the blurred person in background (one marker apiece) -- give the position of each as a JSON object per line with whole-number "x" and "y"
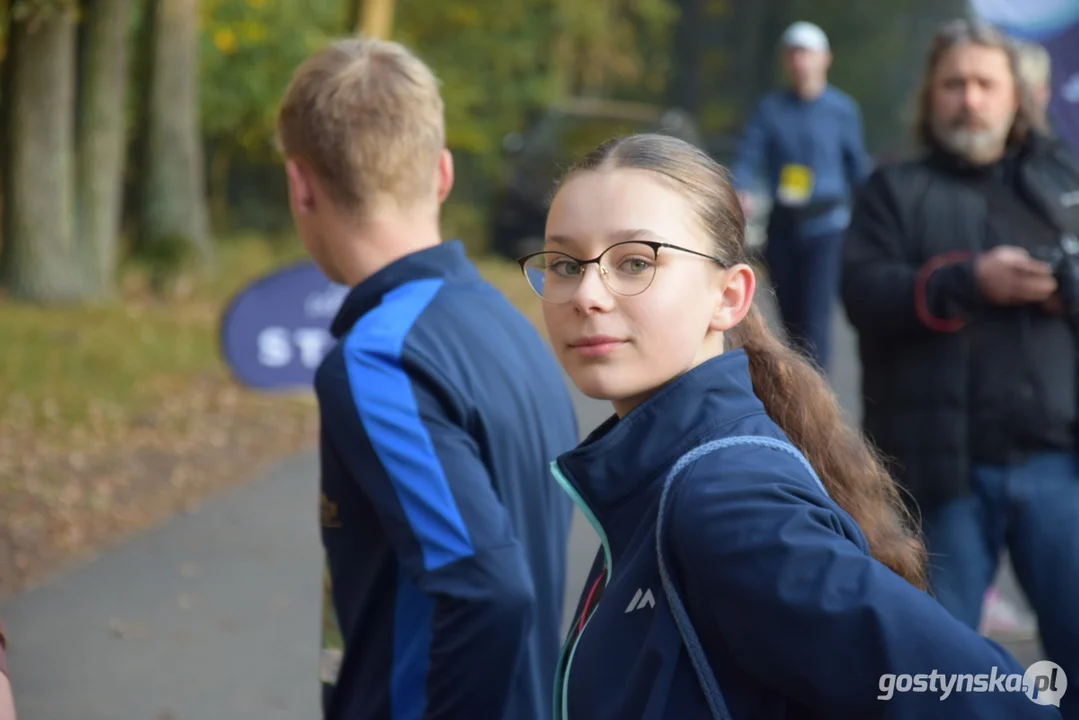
{"x": 1036, "y": 72}
{"x": 808, "y": 142}
{"x": 441, "y": 408}
{"x": 969, "y": 362}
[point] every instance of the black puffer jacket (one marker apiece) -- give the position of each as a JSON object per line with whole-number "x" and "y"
{"x": 936, "y": 359}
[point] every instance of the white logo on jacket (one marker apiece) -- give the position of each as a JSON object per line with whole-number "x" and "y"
{"x": 641, "y": 600}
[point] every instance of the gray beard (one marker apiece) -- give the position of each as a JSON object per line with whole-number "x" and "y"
{"x": 976, "y": 146}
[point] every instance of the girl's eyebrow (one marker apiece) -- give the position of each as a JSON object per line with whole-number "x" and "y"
{"x": 626, "y": 235}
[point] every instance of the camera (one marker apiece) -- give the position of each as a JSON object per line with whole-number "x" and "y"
{"x": 1063, "y": 258}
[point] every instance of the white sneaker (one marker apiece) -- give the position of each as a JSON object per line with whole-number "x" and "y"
{"x": 1003, "y": 620}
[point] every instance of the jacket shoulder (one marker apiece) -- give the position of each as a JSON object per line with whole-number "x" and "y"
{"x": 752, "y": 461}
{"x": 843, "y": 100}
{"x": 895, "y": 183}
{"x": 755, "y": 473}
{"x": 376, "y": 349}
{"x": 896, "y": 174}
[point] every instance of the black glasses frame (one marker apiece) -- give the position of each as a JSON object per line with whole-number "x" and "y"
{"x": 522, "y": 261}
{"x": 653, "y": 244}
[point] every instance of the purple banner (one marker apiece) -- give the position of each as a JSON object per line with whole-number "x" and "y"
{"x": 275, "y": 332}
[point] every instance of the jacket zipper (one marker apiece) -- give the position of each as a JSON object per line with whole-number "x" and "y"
{"x": 565, "y": 659}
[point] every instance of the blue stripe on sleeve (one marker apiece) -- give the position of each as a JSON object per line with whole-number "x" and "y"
{"x": 412, "y": 615}
{"x": 387, "y": 407}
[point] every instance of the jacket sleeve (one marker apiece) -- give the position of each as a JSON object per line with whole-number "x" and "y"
{"x": 885, "y": 293}
{"x": 770, "y": 579}
{"x": 401, "y": 440}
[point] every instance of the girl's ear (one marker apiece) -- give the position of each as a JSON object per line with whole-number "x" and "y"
{"x": 738, "y": 286}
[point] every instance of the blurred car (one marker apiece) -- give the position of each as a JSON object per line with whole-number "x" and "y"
{"x": 561, "y": 136}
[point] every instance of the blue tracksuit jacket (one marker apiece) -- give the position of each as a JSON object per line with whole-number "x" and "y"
{"x": 442, "y": 409}
{"x": 797, "y": 620}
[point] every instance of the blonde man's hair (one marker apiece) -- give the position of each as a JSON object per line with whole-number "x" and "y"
{"x": 366, "y": 116}
{"x": 1035, "y": 66}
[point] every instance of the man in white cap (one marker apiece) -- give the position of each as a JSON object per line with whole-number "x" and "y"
{"x": 808, "y": 143}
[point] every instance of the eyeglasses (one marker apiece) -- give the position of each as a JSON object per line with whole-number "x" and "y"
{"x": 627, "y": 269}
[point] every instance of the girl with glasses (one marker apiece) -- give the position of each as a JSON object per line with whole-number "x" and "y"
{"x": 757, "y": 560}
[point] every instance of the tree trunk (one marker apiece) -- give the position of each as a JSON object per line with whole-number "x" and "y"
{"x": 102, "y": 141}
{"x": 39, "y": 262}
{"x": 6, "y": 76}
{"x": 378, "y": 18}
{"x": 174, "y": 213}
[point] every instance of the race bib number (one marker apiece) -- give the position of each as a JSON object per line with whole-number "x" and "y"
{"x": 795, "y": 185}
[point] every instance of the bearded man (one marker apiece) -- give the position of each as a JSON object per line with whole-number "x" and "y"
{"x": 969, "y": 359}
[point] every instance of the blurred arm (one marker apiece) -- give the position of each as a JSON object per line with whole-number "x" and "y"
{"x": 772, "y": 580}
{"x": 856, "y": 160}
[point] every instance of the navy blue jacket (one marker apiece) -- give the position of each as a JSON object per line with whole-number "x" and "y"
{"x": 442, "y": 409}
{"x": 797, "y": 620}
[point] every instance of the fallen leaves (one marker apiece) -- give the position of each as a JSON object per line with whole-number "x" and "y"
{"x": 65, "y": 498}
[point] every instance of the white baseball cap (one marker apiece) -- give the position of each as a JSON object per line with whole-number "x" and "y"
{"x": 805, "y": 35}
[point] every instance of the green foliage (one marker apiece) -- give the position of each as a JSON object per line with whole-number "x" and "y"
{"x": 614, "y": 45}
{"x": 500, "y": 65}
{"x": 249, "y": 51}
{"x": 493, "y": 64}
{"x": 497, "y": 64}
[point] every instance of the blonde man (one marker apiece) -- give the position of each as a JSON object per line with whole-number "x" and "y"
{"x": 441, "y": 409}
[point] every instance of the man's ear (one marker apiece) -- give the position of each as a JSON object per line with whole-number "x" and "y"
{"x": 445, "y": 176}
{"x": 301, "y": 190}
{"x": 739, "y": 285}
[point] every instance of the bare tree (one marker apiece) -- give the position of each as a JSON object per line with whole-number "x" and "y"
{"x": 102, "y": 140}
{"x": 38, "y": 261}
{"x": 173, "y": 207}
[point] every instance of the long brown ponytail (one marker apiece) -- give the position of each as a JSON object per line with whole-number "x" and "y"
{"x": 795, "y": 394}
{"x": 800, "y": 401}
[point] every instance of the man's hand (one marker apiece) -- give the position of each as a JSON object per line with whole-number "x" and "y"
{"x": 1008, "y": 275}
